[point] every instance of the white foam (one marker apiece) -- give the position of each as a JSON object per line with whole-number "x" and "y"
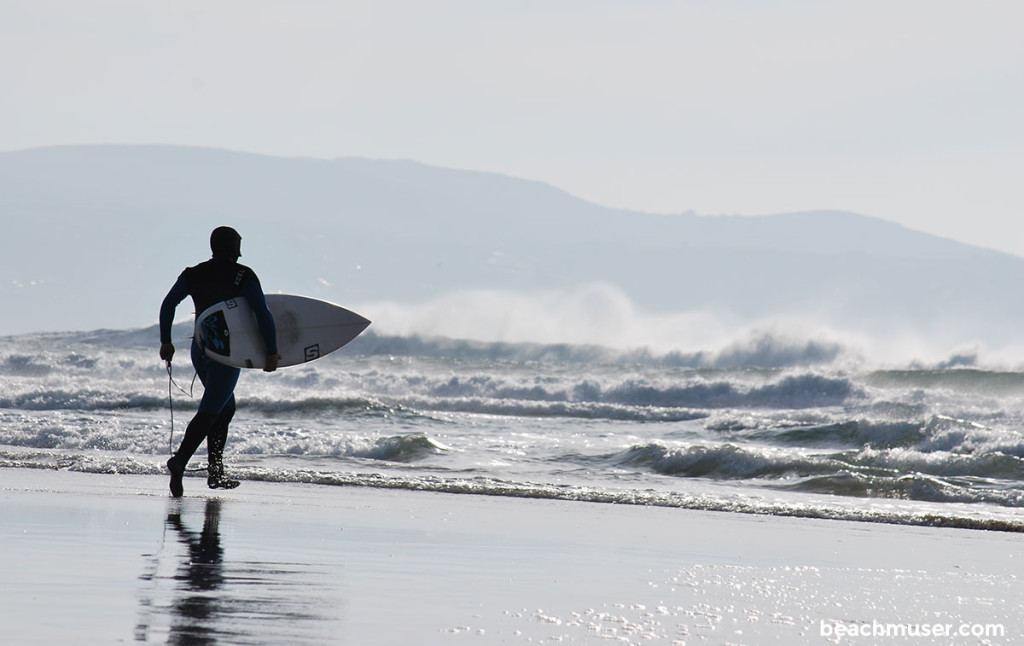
{"x": 602, "y": 314}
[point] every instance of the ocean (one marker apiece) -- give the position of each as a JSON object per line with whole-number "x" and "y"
{"x": 792, "y": 433}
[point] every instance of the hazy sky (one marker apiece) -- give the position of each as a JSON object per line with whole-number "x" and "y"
{"x": 907, "y": 110}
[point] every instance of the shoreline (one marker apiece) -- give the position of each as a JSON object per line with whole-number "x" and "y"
{"x": 897, "y": 512}
{"x": 97, "y": 558}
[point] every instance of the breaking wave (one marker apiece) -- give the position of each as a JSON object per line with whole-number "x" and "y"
{"x": 760, "y": 418}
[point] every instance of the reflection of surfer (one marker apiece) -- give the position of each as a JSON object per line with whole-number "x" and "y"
{"x": 214, "y": 600}
{"x": 204, "y": 565}
{"x": 208, "y": 283}
{"x": 201, "y": 572}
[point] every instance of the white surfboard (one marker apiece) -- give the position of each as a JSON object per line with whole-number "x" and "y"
{"x": 307, "y": 329}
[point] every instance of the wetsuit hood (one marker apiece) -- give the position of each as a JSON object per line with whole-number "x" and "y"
{"x": 226, "y": 243}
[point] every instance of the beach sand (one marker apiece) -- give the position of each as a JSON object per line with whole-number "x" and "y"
{"x": 107, "y": 559}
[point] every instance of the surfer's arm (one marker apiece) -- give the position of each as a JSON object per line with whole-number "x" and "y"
{"x": 264, "y": 318}
{"x": 177, "y": 294}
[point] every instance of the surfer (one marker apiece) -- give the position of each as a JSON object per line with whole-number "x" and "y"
{"x": 208, "y": 283}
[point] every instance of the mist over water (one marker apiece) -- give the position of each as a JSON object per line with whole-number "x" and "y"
{"x": 603, "y": 316}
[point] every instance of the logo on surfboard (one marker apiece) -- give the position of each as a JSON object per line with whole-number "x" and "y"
{"x": 216, "y": 336}
{"x": 311, "y": 352}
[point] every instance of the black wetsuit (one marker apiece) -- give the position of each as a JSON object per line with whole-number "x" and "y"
{"x": 209, "y": 283}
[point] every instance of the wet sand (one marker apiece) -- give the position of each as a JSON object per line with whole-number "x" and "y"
{"x": 106, "y": 559}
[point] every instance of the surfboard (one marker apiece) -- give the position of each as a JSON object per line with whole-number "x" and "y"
{"x": 307, "y": 329}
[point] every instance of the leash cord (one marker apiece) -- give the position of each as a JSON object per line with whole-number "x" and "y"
{"x": 170, "y": 402}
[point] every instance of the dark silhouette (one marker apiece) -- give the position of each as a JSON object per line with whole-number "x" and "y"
{"x": 209, "y": 283}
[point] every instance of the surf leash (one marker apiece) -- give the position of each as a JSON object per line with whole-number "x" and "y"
{"x": 170, "y": 401}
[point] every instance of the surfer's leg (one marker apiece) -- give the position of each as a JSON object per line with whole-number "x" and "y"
{"x": 219, "y": 400}
{"x": 196, "y": 432}
{"x": 219, "y": 382}
{"x": 177, "y": 470}
{"x": 219, "y": 385}
{"x": 215, "y": 442}
{"x": 218, "y": 438}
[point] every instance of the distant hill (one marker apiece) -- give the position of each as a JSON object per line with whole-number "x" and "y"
{"x": 93, "y": 236}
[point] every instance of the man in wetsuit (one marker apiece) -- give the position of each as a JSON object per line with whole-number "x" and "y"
{"x": 209, "y": 283}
